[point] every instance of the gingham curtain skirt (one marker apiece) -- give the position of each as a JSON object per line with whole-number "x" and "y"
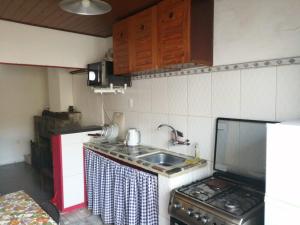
{"x": 120, "y": 194}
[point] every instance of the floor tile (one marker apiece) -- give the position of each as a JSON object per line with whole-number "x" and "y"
{"x": 80, "y": 217}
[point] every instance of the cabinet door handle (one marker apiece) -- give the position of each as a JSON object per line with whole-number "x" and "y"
{"x": 121, "y": 34}
{"x": 171, "y": 15}
{"x": 142, "y": 27}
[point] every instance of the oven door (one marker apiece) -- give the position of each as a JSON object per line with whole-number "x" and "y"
{"x": 174, "y": 221}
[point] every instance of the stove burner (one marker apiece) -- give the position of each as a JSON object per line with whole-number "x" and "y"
{"x": 217, "y": 184}
{"x": 237, "y": 200}
{"x": 232, "y": 205}
{"x": 206, "y": 189}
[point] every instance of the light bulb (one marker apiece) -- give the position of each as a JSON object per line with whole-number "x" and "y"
{"x": 85, "y": 3}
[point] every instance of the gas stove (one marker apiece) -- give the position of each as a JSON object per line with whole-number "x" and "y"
{"x": 234, "y": 194}
{"x": 217, "y": 201}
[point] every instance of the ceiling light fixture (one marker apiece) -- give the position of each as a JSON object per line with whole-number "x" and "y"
{"x": 85, "y": 7}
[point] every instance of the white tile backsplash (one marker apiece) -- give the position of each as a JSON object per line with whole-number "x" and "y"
{"x": 144, "y": 125}
{"x": 132, "y": 98}
{"x": 159, "y": 138}
{"x": 110, "y": 102}
{"x": 108, "y": 114}
{"x": 144, "y": 95}
{"x": 180, "y": 124}
{"x": 200, "y": 132}
{"x": 258, "y": 93}
{"x": 131, "y": 120}
{"x": 191, "y": 103}
{"x": 177, "y": 95}
{"x": 288, "y": 92}
{"x": 159, "y": 92}
{"x": 226, "y": 94}
{"x": 199, "y": 95}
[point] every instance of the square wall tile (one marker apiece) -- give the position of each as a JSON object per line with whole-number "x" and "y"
{"x": 144, "y": 125}
{"x": 160, "y": 95}
{"x": 132, "y": 99}
{"x": 199, "y": 94}
{"x": 177, "y": 95}
{"x": 107, "y": 101}
{"x": 226, "y": 94}
{"x": 258, "y": 93}
{"x": 108, "y": 114}
{"x": 115, "y": 102}
{"x": 122, "y": 101}
{"x": 159, "y": 138}
{"x": 134, "y": 83}
{"x": 144, "y": 95}
{"x": 200, "y": 132}
{"x": 131, "y": 120}
{"x": 288, "y": 93}
{"x": 180, "y": 124}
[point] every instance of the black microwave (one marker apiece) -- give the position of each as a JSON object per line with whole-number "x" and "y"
{"x": 101, "y": 74}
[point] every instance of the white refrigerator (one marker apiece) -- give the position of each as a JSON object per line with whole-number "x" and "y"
{"x": 282, "y": 198}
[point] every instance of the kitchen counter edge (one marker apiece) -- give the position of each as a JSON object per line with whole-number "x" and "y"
{"x": 135, "y": 164}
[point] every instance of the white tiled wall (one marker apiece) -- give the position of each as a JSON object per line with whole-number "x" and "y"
{"x": 288, "y": 97}
{"x": 226, "y": 98}
{"x": 258, "y": 91}
{"x": 192, "y": 103}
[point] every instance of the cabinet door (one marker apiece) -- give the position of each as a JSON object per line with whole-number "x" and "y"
{"x": 73, "y": 189}
{"x": 121, "y": 47}
{"x": 174, "y": 32}
{"x": 144, "y": 40}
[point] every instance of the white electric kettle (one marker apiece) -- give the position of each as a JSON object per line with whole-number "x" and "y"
{"x": 133, "y": 137}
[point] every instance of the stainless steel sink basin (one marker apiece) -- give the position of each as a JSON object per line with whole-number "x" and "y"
{"x": 163, "y": 159}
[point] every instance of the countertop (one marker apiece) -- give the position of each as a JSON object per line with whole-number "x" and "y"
{"x": 133, "y": 156}
{"x": 71, "y": 130}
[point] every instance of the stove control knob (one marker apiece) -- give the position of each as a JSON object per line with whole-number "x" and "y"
{"x": 197, "y": 216}
{"x": 204, "y": 219}
{"x": 190, "y": 212}
{"x": 177, "y": 206}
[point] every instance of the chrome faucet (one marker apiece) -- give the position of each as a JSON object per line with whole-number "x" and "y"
{"x": 175, "y": 134}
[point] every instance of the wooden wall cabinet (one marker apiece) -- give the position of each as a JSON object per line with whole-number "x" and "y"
{"x": 185, "y": 32}
{"x": 173, "y": 32}
{"x": 143, "y": 27}
{"x": 170, "y": 33}
{"x": 121, "y": 46}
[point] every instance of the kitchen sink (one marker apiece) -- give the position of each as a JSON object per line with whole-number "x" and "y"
{"x": 163, "y": 159}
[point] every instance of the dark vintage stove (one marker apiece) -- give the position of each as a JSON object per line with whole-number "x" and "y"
{"x": 235, "y": 193}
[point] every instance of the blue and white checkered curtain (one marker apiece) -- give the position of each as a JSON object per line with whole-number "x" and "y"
{"x": 121, "y": 195}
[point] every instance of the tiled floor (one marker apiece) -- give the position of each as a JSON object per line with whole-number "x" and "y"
{"x": 80, "y": 217}
{"x": 20, "y": 176}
